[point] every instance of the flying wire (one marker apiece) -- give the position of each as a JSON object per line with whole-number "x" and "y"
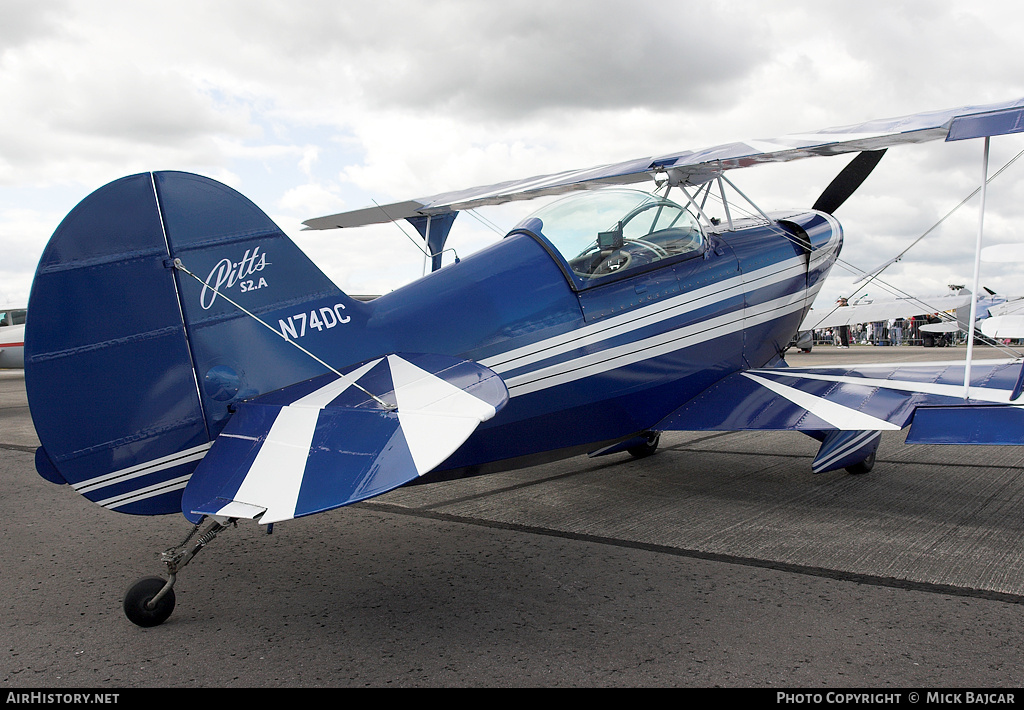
{"x": 425, "y": 251}
{"x": 181, "y": 267}
{"x": 894, "y": 290}
{"x": 947, "y": 215}
{"x": 486, "y": 222}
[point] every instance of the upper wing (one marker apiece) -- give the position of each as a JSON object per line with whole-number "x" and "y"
{"x": 327, "y": 442}
{"x": 697, "y": 167}
{"x": 930, "y": 397}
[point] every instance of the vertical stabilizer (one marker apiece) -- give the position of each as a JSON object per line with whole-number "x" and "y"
{"x": 131, "y": 365}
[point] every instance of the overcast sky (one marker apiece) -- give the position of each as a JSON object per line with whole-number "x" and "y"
{"x": 310, "y": 108}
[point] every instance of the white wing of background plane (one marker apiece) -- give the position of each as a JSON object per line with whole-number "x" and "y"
{"x": 1005, "y": 320}
{"x": 697, "y": 167}
{"x": 829, "y": 317}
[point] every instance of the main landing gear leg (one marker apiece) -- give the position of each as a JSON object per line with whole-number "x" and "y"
{"x": 150, "y": 600}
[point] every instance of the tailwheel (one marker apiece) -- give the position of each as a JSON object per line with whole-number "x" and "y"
{"x": 150, "y": 600}
{"x": 144, "y": 605}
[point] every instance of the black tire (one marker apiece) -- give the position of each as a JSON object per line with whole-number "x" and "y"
{"x": 864, "y": 466}
{"x": 649, "y": 448}
{"x": 139, "y": 595}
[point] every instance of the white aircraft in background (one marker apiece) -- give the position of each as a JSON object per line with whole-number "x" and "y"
{"x": 998, "y": 317}
{"x": 1006, "y": 320}
{"x": 12, "y": 338}
{"x": 867, "y": 310}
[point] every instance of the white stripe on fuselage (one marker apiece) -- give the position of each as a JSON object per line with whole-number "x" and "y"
{"x": 660, "y": 344}
{"x": 143, "y": 469}
{"x": 648, "y": 315}
{"x": 139, "y": 494}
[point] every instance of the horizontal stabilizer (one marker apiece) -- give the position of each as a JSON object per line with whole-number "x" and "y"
{"x": 335, "y": 440}
{"x": 846, "y": 398}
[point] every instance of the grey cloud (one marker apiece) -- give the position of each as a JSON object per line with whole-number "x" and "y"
{"x": 22, "y": 21}
{"x": 598, "y": 56}
{"x": 503, "y": 59}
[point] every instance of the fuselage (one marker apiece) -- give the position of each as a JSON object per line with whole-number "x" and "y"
{"x": 600, "y": 321}
{"x": 589, "y": 366}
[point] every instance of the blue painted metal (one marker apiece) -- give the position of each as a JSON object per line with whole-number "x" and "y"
{"x": 357, "y": 450}
{"x": 128, "y": 363}
{"x": 173, "y": 362}
{"x": 1018, "y": 387}
{"x": 434, "y": 229}
{"x": 994, "y": 123}
{"x": 891, "y": 394}
{"x": 841, "y": 449}
{"x": 993, "y": 425}
{"x": 607, "y": 361}
{"x": 108, "y": 370}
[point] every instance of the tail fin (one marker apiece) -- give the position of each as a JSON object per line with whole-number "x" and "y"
{"x": 130, "y": 364}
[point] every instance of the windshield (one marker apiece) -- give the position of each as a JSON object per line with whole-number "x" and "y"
{"x": 605, "y": 232}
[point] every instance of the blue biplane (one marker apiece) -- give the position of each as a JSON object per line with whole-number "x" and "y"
{"x": 238, "y": 382}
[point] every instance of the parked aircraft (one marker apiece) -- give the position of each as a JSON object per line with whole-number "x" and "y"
{"x": 237, "y": 382}
{"x": 944, "y": 313}
{"x": 12, "y": 337}
{"x": 883, "y": 310}
{"x": 1005, "y": 320}
{"x": 1005, "y": 317}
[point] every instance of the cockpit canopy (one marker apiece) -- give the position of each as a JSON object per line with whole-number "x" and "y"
{"x": 602, "y": 233}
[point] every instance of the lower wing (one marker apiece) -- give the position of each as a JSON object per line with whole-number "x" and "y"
{"x": 847, "y": 407}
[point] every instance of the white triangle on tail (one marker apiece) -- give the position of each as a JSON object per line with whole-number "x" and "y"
{"x": 436, "y": 416}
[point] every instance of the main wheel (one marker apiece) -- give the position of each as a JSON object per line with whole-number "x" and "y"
{"x": 648, "y": 448}
{"x": 138, "y": 596}
{"x": 864, "y": 466}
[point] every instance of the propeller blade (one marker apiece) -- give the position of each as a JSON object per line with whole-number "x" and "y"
{"x": 847, "y": 181}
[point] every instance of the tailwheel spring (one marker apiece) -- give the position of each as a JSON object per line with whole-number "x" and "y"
{"x": 149, "y": 601}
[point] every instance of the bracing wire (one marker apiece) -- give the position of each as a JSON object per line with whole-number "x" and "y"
{"x": 885, "y": 286}
{"x": 181, "y": 267}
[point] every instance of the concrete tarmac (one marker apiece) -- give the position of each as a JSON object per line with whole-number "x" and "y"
{"x": 720, "y": 561}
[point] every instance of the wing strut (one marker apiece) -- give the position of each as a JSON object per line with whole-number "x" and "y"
{"x": 977, "y": 268}
{"x": 870, "y": 275}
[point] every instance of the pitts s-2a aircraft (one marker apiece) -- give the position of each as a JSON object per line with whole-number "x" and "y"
{"x": 238, "y": 382}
